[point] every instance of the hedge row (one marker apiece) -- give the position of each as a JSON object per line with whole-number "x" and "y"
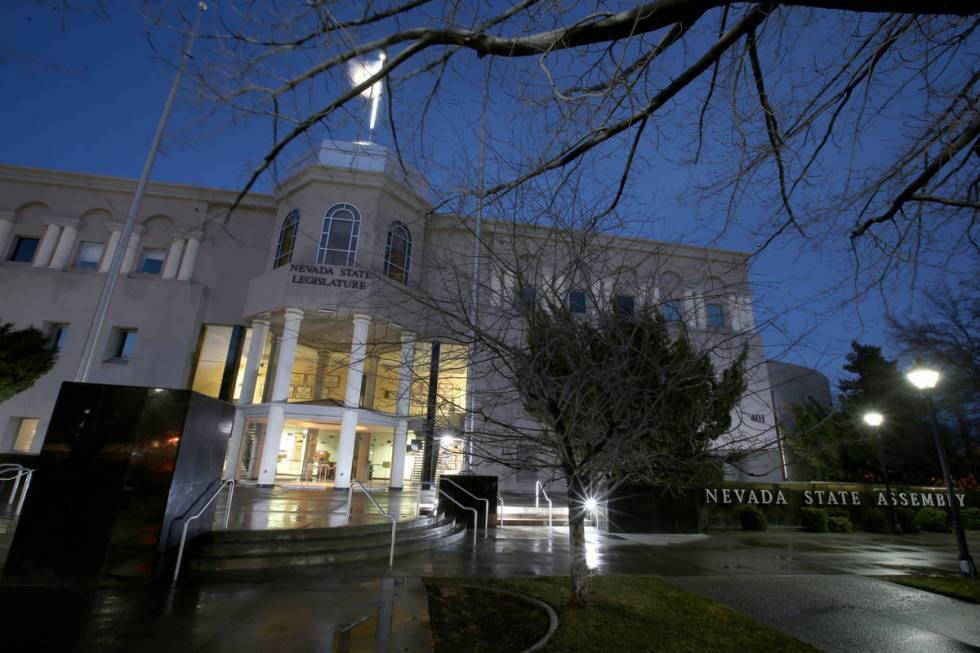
{"x": 821, "y": 520}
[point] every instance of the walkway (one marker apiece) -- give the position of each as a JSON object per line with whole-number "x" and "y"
{"x": 255, "y": 508}
{"x": 848, "y": 613}
{"x": 815, "y": 587}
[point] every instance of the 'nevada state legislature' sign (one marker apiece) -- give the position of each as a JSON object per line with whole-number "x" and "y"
{"x": 329, "y": 276}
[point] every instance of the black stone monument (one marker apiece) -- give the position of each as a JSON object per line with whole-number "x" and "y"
{"x": 639, "y": 508}
{"x": 484, "y": 487}
{"x": 120, "y": 467}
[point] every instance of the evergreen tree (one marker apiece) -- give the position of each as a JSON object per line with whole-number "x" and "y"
{"x": 841, "y": 447}
{"x": 622, "y": 398}
{"x": 25, "y": 356}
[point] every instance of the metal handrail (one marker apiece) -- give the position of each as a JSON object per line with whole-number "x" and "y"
{"x": 500, "y": 515}
{"x": 473, "y": 510}
{"x": 486, "y": 514}
{"x": 230, "y": 483}
{"x": 538, "y": 486}
{"x": 20, "y": 472}
{"x": 350, "y": 499}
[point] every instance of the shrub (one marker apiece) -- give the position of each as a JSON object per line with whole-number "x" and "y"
{"x": 874, "y": 521}
{"x": 814, "y": 520}
{"x": 970, "y": 518}
{"x": 839, "y": 524}
{"x": 932, "y": 520}
{"x": 906, "y": 519}
{"x": 752, "y": 518}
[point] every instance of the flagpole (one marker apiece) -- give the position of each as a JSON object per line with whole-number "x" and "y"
{"x": 102, "y": 308}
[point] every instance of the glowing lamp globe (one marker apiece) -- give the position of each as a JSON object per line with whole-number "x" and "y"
{"x": 923, "y": 378}
{"x": 873, "y": 419}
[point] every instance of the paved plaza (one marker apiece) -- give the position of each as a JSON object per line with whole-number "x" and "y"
{"x": 817, "y": 587}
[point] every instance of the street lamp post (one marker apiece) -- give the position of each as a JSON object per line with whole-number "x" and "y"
{"x": 925, "y": 380}
{"x": 874, "y": 420}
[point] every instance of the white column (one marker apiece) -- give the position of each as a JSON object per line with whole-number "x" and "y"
{"x": 270, "y": 446}
{"x": 700, "y": 312}
{"x": 110, "y": 250}
{"x": 234, "y": 452}
{"x": 6, "y": 226}
{"x": 280, "y": 392}
{"x": 352, "y": 396}
{"x": 63, "y": 250}
{"x": 322, "y": 363}
{"x": 190, "y": 258}
{"x": 172, "y": 264}
{"x": 746, "y": 319}
{"x": 42, "y": 257}
{"x": 401, "y": 408}
{"x": 287, "y": 354}
{"x": 132, "y": 251}
{"x": 253, "y": 360}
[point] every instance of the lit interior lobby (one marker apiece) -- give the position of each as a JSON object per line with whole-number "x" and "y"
{"x": 326, "y": 398}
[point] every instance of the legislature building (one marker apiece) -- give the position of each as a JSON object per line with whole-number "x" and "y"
{"x": 324, "y": 312}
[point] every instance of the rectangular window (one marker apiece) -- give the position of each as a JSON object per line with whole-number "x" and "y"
{"x": 26, "y": 431}
{"x": 716, "y": 315}
{"x": 525, "y": 296}
{"x": 24, "y": 248}
{"x": 58, "y": 333}
{"x": 220, "y": 357}
{"x": 151, "y": 262}
{"x": 671, "y": 312}
{"x": 124, "y": 344}
{"x": 577, "y": 302}
{"x": 623, "y": 304}
{"x": 89, "y": 255}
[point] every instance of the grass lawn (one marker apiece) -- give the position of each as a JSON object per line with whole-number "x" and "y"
{"x": 959, "y": 587}
{"x": 628, "y": 613}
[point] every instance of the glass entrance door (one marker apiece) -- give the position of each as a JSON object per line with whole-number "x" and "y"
{"x": 292, "y": 455}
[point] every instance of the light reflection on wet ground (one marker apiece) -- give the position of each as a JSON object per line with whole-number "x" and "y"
{"x": 366, "y": 607}
{"x": 274, "y": 508}
{"x": 367, "y": 615}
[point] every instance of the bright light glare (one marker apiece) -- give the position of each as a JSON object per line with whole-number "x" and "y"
{"x": 447, "y": 440}
{"x": 591, "y": 504}
{"x": 873, "y": 419}
{"x": 359, "y": 71}
{"x": 923, "y": 378}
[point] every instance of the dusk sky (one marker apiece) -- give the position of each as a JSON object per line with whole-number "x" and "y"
{"x": 84, "y": 93}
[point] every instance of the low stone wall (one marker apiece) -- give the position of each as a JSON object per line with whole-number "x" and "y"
{"x": 645, "y": 509}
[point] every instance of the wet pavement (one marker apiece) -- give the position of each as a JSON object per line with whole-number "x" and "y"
{"x": 848, "y": 613}
{"x": 256, "y": 508}
{"x": 812, "y": 586}
{"x": 366, "y": 615}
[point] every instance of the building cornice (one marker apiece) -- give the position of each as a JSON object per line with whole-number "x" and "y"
{"x": 635, "y": 244}
{"x": 356, "y": 179}
{"x": 86, "y": 181}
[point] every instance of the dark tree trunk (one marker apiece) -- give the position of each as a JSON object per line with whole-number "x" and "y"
{"x": 579, "y": 569}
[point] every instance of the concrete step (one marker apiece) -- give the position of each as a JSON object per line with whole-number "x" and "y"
{"x": 336, "y": 542}
{"x": 531, "y": 510}
{"x": 532, "y": 521}
{"x": 299, "y": 534}
{"x": 333, "y": 551}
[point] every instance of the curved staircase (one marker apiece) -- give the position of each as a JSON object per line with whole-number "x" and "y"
{"x": 250, "y": 554}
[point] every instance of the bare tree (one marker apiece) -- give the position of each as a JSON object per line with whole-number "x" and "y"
{"x": 780, "y": 111}
{"x": 947, "y": 335}
{"x": 848, "y": 121}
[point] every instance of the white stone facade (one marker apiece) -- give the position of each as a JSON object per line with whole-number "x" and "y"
{"x": 329, "y": 355}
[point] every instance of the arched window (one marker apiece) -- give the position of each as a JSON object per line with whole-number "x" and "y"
{"x": 287, "y": 238}
{"x": 398, "y": 252}
{"x": 338, "y": 240}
